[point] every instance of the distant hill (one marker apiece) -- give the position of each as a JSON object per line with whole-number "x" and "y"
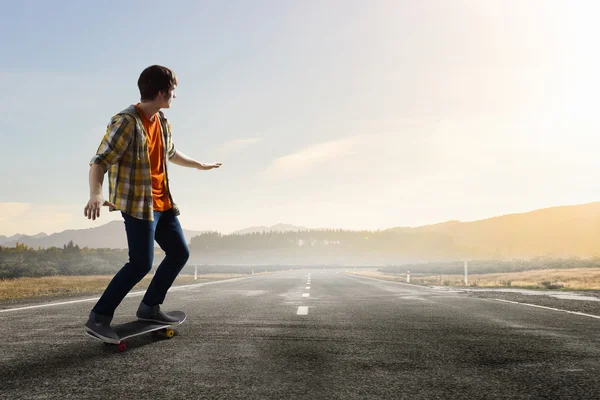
{"x": 561, "y": 231}
{"x": 5, "y": 239}
{"x": 555, "y": 231}
{"x": 274, "y": 228}
{"x": 110, "y": 235}
{"x": 14, "y": 238}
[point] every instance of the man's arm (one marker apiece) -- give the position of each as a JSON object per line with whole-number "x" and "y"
{"x": 181, "y": 159}
{"x": 96, "y": 180}
{"x": 115, "y": 142}
{"x": 92, "y": 208}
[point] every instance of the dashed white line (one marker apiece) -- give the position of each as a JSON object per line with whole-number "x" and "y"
{"x": 302, "y": 310}
{"x": 305, "y": 294}
{"x": 308, "y": 287}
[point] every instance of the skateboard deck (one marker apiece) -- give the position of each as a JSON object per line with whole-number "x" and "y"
{"x": 136, "y": 328}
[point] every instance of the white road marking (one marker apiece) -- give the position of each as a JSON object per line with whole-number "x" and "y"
{"x": 413, "y": 298}
{"x": 308, "y": 287}
{"x": 53, "y": 304}
{"x": 305, "y": 294}
{"x": 132, "y": 294}
{"x": 550, "y": 308}
{"x": 302, "y": 310}
{"x": 388, "y": 281}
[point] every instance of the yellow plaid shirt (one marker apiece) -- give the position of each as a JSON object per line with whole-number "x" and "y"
{"x": 123, "y": 152}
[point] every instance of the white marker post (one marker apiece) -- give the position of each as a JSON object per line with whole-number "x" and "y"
{"x": 407, "y": 276}
{"x": 466, "y": 272}
{"x": 196, "y": 273}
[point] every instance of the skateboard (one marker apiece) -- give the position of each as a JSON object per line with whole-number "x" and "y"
{"x": 137, "y": 328}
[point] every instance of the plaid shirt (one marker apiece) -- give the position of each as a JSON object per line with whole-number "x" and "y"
{"x": 123, "y": 152}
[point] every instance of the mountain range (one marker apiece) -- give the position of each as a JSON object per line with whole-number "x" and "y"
{"x": 15, "y": 238}
{"x": 112, "y": 235}
{"x": 274, "y": 228}
{"x": 560, "y": 231}
{"x": 555, "y": 231}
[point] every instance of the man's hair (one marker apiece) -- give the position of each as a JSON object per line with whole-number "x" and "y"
{"x": 154, "y": 79}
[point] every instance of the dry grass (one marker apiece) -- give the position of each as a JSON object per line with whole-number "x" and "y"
{"x": 63, "y": 285}
{"x": 573, "y": 279}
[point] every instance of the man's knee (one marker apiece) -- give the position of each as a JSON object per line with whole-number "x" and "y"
{"x": 142, "y": 265}
{"x": 180, "y": 256}
{"x": 184, "y": 255}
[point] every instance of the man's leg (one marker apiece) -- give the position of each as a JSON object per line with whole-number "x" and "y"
{"x": 169, "y": 236}
{"x": 140, "y": 239}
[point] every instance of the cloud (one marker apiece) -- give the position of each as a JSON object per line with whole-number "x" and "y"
{"x": 307, "y": 159}
{"x": 348, "y": 155}
{"x": 232, "y": 147}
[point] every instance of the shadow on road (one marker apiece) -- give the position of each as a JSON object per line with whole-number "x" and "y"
{"x": 51, "y": 361}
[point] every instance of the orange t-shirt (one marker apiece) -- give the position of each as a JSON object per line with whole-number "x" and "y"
{"x": 160, "y": 194}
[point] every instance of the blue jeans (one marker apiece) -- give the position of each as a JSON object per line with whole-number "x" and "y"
{"x": 166, "y": 230}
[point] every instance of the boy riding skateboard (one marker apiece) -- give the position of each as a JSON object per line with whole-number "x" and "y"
{"x": 135, "y": 150}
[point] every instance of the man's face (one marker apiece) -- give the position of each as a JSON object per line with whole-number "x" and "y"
{"x": 167, "y": 97}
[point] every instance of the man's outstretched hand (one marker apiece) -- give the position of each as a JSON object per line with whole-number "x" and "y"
{"x": 206, "y": 167}
{"x": 92, "y": 209}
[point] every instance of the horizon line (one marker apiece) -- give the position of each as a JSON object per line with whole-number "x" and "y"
{"x": 324, "y": 228}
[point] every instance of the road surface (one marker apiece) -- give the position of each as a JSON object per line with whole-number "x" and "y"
{"x": 307, "y": 334}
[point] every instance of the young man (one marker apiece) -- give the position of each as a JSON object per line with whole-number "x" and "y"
{"x": 135, "y": 151}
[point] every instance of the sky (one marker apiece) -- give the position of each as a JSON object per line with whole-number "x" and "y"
{"x": 325, "y": 114}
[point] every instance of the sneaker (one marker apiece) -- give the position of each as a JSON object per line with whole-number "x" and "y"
{"x": 153, "y": 314}
{"x": 99, "y": 326}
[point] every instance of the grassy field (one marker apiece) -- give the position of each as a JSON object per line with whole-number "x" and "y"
{"x": 64, "y": 285}
{"x": 566, "y": 279}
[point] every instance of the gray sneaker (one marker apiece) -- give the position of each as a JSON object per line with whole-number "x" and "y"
{"x": 153, "y": 314}
{"x": 99, "y": 325}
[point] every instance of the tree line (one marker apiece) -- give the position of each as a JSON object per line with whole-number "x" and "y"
{"x": 368, "y": 248}
{"x": 307, "y": 241}
{"x": 25, "y": 261}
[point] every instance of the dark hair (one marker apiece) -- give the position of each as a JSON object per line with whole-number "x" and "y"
{"x": 154, "y": 79}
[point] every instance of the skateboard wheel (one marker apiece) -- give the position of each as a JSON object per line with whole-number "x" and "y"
{"x": 121, "y": 347}
{"x": 169, "y": 333}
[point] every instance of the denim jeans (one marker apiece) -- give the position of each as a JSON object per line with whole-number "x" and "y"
{"x": 166, "y": 230}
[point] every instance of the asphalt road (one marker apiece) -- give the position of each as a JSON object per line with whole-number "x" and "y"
{"x": 355, "y": 338}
